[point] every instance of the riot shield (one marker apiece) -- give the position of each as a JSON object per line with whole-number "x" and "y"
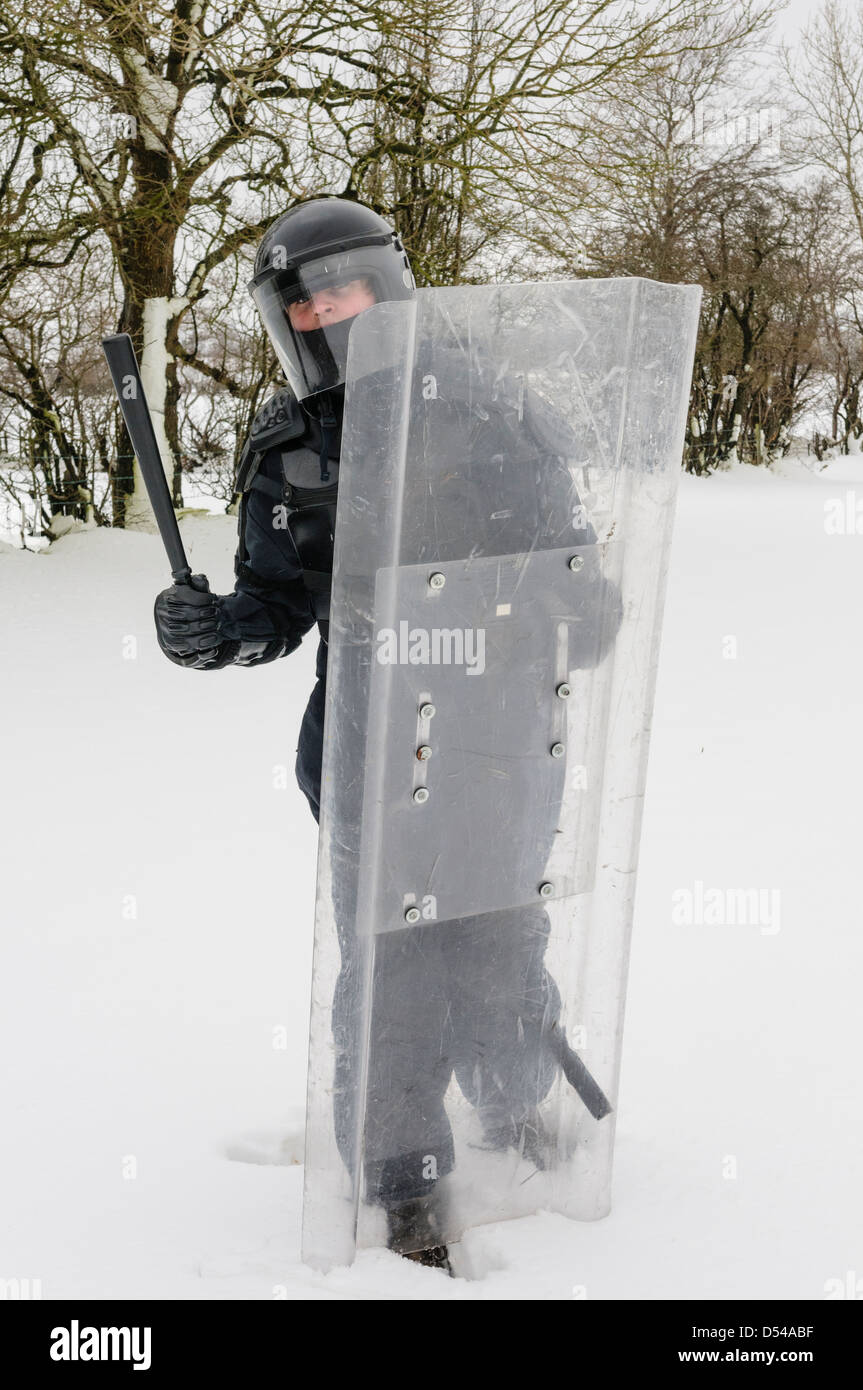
{"x": 508, "y": 474}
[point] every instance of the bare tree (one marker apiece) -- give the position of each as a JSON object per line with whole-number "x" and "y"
{"x": 174, "y": 129}
{"x": 826, "y": 76}
{"x": 841, "y": 363}
{"x": 58, "y": 420}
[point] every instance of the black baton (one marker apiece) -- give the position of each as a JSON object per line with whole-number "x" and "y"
{"x": 578, "y": 1076}
{"x": 123, "y": 367}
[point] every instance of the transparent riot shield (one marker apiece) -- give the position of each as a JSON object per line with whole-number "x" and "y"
{"x": 508, "y": 474}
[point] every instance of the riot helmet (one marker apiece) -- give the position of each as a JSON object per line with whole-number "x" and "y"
{"x": 318, "y": 266}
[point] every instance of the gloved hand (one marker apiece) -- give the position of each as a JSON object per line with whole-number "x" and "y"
{"x": 187, "y": 626}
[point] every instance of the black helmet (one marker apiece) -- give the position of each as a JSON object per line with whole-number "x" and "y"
{"x": 318, "y": 266}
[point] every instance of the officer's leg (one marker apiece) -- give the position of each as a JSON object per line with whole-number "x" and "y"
{"x": 408, "y": 1141}
{"x": 403, "y": 1130}
{"x": 506, "y": 1005}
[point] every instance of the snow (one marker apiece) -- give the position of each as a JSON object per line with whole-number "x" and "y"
{"x": 157, "y": 902}
{"x": 157, "y": 314}
{"x": 157, "y": 98}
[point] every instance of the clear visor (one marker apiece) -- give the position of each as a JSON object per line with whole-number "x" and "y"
{"x": 308, "y": 311}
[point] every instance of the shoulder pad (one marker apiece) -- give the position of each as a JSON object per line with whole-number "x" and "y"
{"x": 548, "y": 426}
{"x": 279, "y": 418}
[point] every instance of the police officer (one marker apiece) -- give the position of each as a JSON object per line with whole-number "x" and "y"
{"x": 478, "y": 986}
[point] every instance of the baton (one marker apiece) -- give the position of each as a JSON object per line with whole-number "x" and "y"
{"x": 126, "y": 377}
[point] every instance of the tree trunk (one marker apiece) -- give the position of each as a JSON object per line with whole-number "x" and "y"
{"x": 150, "y": 316}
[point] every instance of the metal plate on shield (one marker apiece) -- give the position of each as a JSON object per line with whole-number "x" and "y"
{"x": 493, "y": 763}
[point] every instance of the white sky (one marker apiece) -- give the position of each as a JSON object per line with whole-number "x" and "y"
{"x": 793, "y": 19}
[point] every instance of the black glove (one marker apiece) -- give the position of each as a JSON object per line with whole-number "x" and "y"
{"x": 187, "y": 626}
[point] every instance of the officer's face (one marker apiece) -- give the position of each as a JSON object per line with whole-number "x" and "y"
{"x": 330, "y": 306}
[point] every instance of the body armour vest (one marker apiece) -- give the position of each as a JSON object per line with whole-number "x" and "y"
{"x": 306, "y": 490}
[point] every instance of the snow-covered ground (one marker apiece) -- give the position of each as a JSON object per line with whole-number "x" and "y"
{"x": 156, "y": 945}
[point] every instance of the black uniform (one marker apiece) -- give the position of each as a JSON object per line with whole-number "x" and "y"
{"x": 287, "y": 480}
